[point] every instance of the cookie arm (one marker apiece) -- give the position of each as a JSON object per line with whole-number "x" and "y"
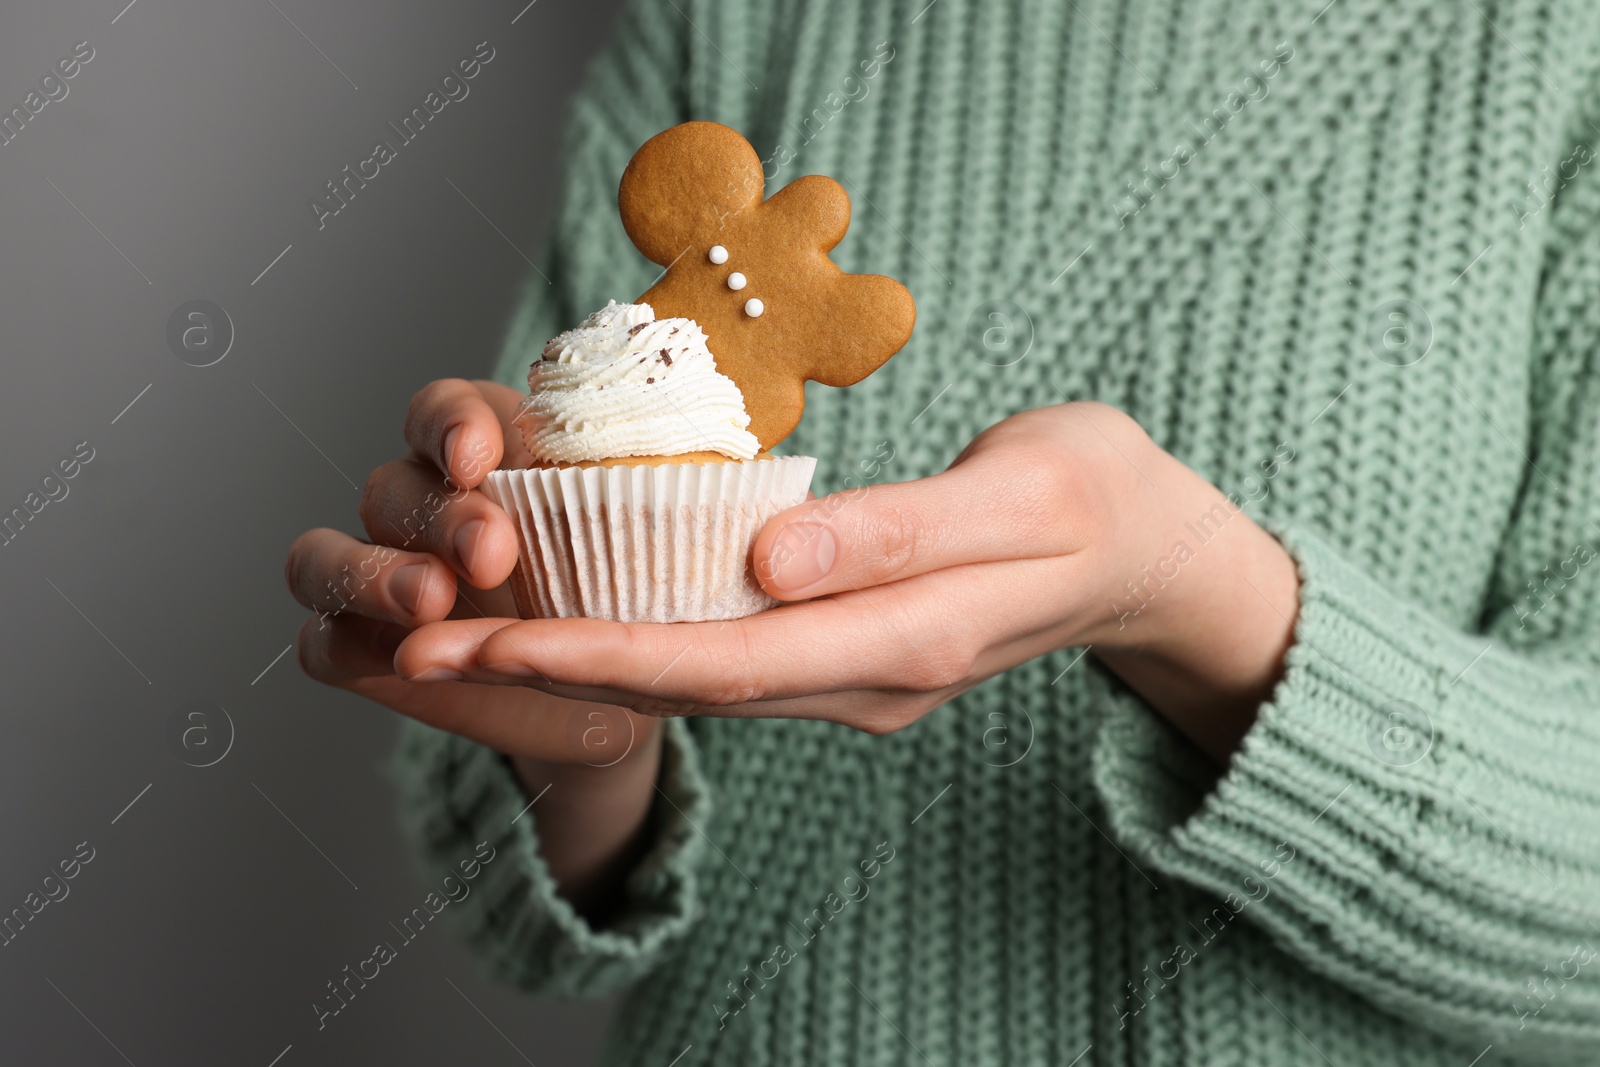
{"x": 876, "y": 315}
{"x": 813, "y": 205}
{"x": 871, "y": 317}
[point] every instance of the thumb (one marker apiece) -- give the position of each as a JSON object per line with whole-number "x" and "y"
{"x": 878, "y": 534}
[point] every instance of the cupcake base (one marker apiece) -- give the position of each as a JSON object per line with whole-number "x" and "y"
{"x": 667, "y": 543}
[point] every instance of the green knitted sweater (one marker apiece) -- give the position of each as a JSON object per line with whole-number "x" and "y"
{"x": 1343, "y": 261}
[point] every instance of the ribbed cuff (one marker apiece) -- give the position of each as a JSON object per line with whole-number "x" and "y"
{"x": 456, "y": 794}
{"x": 1360, "y": 802}
{"x": 1335, "y": 761}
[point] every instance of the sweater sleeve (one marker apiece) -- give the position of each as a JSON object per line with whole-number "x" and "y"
{"x": 456, "y": 795}
{"x": 1424, "y": 801}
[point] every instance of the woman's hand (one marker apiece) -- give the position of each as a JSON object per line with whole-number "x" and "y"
{"x": 431, "y": 534}
{"x": 1059, "y": 527}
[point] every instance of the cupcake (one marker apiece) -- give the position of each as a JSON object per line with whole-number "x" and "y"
{"x": 650, "y": 423}
{"x": 647, "y": 487}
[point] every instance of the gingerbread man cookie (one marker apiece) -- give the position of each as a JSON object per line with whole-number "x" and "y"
{"x": 755, "y": 273}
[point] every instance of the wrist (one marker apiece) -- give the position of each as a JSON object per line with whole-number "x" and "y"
{"x": 569, "y": 783}
{"x": 1203, "y": 622}
{"x": 1161, "y": 520}
{"x": 592, "y": 822}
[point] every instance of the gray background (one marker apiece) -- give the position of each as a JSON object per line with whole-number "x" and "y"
{"x": 207, "y": 922}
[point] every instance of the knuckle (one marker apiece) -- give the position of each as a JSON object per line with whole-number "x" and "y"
{"x": 657, "y": 708}
{"x": 376, "y": 496}
{"x": 726, "y": 671}
{"x": 299, "y": 568}
{"x": 427, "y": 400}
{"x": 371, "y": 495}
{"x": 736, "y": 679}
{"x": 1115, "y": 426}
{"x": 1114, "y": 420}
{"x": 897, "y": 534}
{"x": 945, "y": 662}
{"x": 1044, "y": 491}
{"x": 881, "y": 724}
{"x": 732, "y": 691}
{"x": 430, "y": 410}
{"x": 311, "y": 651}
{"x": 294, "y": 565}
{"x": 729, "y": 670}
{"x": 987, "y": 436}
{"x": 931, "y": 675}
{"x": 892, "y": 716}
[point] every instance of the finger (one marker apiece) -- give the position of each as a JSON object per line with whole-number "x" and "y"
{"x": 447, "y": 650}
{"x": 825, "y": 646}
{"x": 506, "y": 402}
{"x": 358, "y": 654}
{"x": 410, "y": 505}
{"x": 333, "y": 573}
{"x": 921, "y": 635}
{"x": 452, "y": 425}
{"x": 991, "y": 506}
{"x": 496, "y": 603}
{"x": 338, "y": 650}
{"x": 516, "y": 721}
{"x": 436, "y": 652}
{"x": 519, "y": 722}
{"x": 872, "y": 711}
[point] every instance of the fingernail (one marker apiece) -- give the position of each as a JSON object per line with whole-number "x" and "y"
{"x": 449, "y": 455}
{"x": 436, "y": 674}
{"x": 406, "y": 586}
{"x": 801, "y": 556}
{"x": 466, "y": 541}
{"x": 515, "y": 670}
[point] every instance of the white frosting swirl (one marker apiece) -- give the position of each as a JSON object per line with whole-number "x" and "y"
{"x": 624, "y": 383}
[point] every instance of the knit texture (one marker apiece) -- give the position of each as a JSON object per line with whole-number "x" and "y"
{"x": 1341, "y": 259}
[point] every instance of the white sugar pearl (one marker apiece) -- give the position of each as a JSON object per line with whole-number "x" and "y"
{"x": 719, "y": 255}
{"x": 736, "y": 281}
{"x": 754, "y": 307}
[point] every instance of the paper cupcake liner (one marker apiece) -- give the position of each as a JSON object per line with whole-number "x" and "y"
{"x": 644, "y": 544}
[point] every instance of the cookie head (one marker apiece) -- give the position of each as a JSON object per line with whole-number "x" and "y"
{"x": 755, "y": 273}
